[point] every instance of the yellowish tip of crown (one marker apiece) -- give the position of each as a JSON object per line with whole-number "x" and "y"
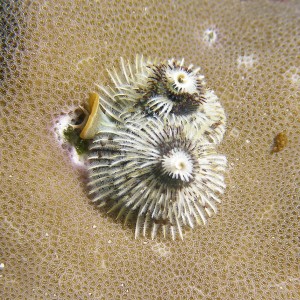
{"x": 90, "y": 128}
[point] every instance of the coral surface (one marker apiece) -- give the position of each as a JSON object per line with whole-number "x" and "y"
{"x": 55, "y": 244}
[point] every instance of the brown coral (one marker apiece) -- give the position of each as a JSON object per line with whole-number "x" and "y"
{"x": 55, "y": 245}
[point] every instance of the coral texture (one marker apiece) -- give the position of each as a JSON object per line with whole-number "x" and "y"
{"x": 55, "y": 244}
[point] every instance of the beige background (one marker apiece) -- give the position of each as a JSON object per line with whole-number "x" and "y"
{"x": 56, "y": 245}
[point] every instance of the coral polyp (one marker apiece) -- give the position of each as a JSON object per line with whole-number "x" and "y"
{"x": 157, "y": 173}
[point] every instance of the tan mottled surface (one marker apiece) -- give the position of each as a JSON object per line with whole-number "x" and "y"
{"x": 56, "y": 245}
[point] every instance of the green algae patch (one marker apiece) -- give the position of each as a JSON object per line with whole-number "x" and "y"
{"x": 71, "y": 135}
